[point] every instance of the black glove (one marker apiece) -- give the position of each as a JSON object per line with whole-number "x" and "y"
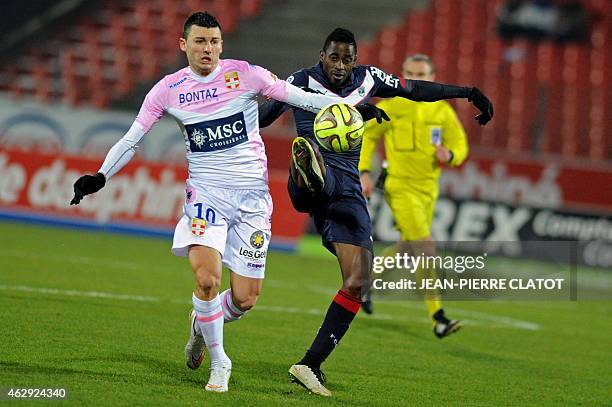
{"x": 482, "y": 103}
{"x": 369, "y": 111}
{"x": 87, "y": 184}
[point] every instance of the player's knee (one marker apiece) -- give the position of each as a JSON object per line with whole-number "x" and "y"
{"x": 354, "y": 285}
{"x": 246, "y": 302}
{"x": 206, "y": 281}
{"x": 299, "y": 206}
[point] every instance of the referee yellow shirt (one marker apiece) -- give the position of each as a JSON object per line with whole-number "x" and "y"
{"x": 411, "y": 137}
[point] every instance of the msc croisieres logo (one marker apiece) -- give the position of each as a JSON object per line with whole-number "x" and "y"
{"x": 218, "y": 134}
{"x": 198, "y": 138}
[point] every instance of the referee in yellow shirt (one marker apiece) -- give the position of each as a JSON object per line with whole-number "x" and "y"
{"x": 419, "y": 138}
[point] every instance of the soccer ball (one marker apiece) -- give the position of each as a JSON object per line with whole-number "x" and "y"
{"x": 338, "y": 127}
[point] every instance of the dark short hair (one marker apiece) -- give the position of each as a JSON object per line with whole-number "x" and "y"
{"x": 340, "y": 35}
{"x": 202, "y": 19}
{"x": 422, "y": 58}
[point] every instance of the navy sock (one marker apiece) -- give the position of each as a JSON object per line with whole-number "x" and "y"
{"x": 339, "y": 316}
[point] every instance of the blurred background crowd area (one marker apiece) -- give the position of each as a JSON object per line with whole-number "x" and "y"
{"x": 73, "y": 74}
{"x": 544, "y": 63}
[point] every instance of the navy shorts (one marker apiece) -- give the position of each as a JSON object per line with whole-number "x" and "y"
{"x": 340, "y": 212}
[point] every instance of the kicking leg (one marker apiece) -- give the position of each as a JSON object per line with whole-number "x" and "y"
{"x": 355, "y": 264}
{"x": 307, "y": 167}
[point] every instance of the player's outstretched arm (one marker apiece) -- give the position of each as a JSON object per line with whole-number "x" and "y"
{"x": 121, "y": 153}
{"x": 424, "y": 91}
{"x": 269, "y": 86}
{"x": 118, "y": 156}
{"x": 312, "y": 102}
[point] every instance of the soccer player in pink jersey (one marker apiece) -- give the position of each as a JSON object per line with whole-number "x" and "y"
{"x": 228, "y": 208}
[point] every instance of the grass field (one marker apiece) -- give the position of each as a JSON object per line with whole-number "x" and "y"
{"x": 105, "y": 316}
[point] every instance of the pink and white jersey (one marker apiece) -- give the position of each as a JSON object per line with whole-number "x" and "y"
{"x": 219, "y": 119}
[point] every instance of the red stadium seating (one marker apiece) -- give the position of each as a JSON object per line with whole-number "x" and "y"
{"x": 109, "y": 51}
{"x": 549, "y": 98}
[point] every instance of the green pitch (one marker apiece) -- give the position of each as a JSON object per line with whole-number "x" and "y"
{"x": 105, "y": 316}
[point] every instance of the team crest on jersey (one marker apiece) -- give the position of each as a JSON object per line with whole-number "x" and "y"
{"x": 232, "y": 80}
{"x": 361, "y": 91}
{"x": 258, "y": 239}
{"x": 198, "y": 226}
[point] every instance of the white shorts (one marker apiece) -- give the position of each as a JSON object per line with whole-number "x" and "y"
{"x": 235, "y": 222}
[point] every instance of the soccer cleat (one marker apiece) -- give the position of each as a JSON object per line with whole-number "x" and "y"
{"x": 195, "y": 348}
{"x": 307, "y": 165}
{"x": 220, "y": 373}
{"x": 309, "y": 378}
{"x": 442, "y": 329}
{"x": 367, "y": 306}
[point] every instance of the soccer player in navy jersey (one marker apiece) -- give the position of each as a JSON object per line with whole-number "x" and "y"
{"x": 326, "y": 184}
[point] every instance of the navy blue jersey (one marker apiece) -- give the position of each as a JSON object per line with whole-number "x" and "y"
{"x": 342, "y": 215}
{"x": 364, "y": 83}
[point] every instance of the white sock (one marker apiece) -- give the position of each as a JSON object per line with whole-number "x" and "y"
{"x": 230, "y": 311}
{"x": 210, "y": 319}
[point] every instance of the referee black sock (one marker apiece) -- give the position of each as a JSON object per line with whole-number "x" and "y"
{"x": 339, "y": 316}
